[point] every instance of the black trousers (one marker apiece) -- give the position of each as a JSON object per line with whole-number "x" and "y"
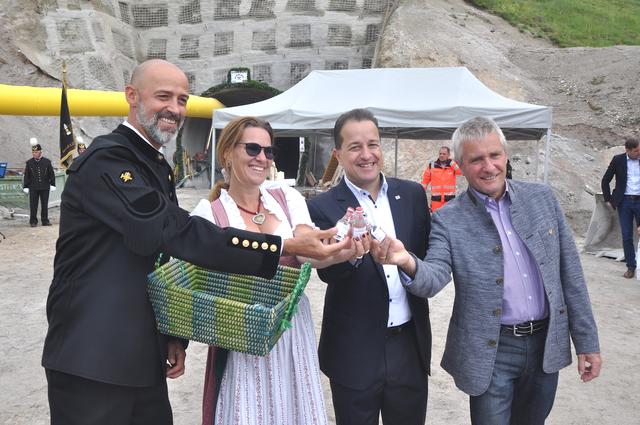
{"x": 43, "y": 197}
{"x": 78, "y": 401}
{"x": 399, "y": 395}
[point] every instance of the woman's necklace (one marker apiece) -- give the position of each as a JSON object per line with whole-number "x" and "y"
{"x": 258, "y": 217}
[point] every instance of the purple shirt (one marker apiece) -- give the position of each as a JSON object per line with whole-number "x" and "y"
{"x": 524, "y": 297}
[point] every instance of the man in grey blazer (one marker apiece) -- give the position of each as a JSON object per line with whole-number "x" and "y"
{"x": 520, "y": 289}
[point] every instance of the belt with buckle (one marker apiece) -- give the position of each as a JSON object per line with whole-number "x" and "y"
{"x": 633, "y": 197}
{"x": 526, "y": 328}
{"x": 395, "y": 330}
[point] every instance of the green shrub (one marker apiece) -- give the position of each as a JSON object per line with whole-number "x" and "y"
{"x": 568, "y": 23}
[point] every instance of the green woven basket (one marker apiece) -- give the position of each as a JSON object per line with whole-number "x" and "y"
{"x": 237, "y": 312}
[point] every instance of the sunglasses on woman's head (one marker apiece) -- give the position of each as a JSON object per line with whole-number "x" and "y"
{"x": 253, "y": 149}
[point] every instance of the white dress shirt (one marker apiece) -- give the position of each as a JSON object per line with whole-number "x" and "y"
{"x": 379, "y": 213}
{"x": 633, "y": 177}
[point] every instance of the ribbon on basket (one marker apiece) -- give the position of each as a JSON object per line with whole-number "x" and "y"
{"x": 305, "y": 274}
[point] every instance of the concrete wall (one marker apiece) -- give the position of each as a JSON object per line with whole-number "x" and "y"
{"x": 281, "y": 41}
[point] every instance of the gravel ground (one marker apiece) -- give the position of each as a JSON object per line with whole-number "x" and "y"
{"x": 26, "y": 269}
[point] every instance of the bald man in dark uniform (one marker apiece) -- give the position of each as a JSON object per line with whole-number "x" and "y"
{"x": 104, "y": 359}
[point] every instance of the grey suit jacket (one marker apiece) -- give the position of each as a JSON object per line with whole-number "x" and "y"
{"x": 464, "y": 241}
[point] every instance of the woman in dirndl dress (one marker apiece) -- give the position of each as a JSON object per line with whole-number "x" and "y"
{"x": 284, "y": 386}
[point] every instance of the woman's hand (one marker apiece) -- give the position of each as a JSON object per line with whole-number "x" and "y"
{"x": 352, "y": 251}
{"x": 314, "y": 244}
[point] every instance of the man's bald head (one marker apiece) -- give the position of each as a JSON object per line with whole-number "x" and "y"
{"x": 157, "y": 96}
{"x": 150, "y": 67}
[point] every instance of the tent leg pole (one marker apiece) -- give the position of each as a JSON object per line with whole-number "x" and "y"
{"x": 395, "y": 160}
{"x": 546, "y": 156}
{"x": 536, "y": 155}
{"x": 213, "y": 156}
{"x": 312, "y": 141}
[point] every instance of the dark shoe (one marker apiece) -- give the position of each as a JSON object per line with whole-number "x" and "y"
{"x": 33, "y": 224}
{"x": 630, "y": 273}
{"x": 46, "y": 223}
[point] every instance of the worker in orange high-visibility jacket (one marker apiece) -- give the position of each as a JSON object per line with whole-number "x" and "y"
{"x": 441, "y": 174}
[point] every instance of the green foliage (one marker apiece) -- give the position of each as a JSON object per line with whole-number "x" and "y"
{"x": 251, "y": 84}
{"x": 568, "y": 23}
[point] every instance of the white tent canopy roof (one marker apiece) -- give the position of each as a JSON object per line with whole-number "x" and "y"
{"x": 416, "y": 103}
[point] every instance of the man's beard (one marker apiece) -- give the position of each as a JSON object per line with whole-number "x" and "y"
{"x": 150, "y": 125}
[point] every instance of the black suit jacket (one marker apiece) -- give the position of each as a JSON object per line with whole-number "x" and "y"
{"x": 118, "y": 211}
{"x": 618, "y": 168}
{"x": 356, "y": 307}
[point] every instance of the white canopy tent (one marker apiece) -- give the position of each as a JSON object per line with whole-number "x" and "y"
{"x": 410, "y": 103}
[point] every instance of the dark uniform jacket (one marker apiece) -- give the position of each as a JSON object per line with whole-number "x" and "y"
{"x": 118, "y": 211}
{"x": 356, "y": 307}
{"x": 39, "y": 175}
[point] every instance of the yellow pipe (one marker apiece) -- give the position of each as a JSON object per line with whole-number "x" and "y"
{"x": 45, "y": 101}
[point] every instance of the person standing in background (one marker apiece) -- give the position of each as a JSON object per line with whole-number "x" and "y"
{"x": 81, "y": 146}
{"x": 39, "y": 180}
{"x": 509, "y": 174}
{"x": 625, "y": 197}
{"x": 441, "y": 174}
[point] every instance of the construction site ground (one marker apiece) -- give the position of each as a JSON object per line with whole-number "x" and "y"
{"x": 27, "y": 266}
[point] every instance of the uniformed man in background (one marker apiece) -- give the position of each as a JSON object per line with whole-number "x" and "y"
{"x": 105, "y": 361}
{"x": 81, "y": 146}
{"x": 39, "y": 180}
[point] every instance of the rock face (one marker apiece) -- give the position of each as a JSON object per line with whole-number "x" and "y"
{"x": 594, "y": 91}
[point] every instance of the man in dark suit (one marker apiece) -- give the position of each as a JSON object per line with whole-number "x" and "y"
{"x": 375, "y": 344}
{"x": 626, "y": 196}
{"x": 104, "y": 358}
{"x": 39, "y": 179}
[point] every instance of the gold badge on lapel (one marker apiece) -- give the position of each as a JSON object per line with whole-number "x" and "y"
{"x": 126, "y": 176}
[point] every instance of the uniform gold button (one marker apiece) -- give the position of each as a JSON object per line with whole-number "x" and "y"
{"x": 245, "y": 243}
{"x": 492, "y": 343}
{"x": 170, "y": 177}
{"x": 497, "y": 312}
{"x": 264, "y": 246}
{"x": 497, "y": 249}
{"x": 273, "y": 247}
{"x": 160, "y": 157}
{"x": 235, "y": 241}
{"x": 255, "y": 245}
{"x": 499, "y": 281}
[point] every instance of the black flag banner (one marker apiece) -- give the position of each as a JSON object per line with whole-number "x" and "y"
{"x": 67, "y": 142}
